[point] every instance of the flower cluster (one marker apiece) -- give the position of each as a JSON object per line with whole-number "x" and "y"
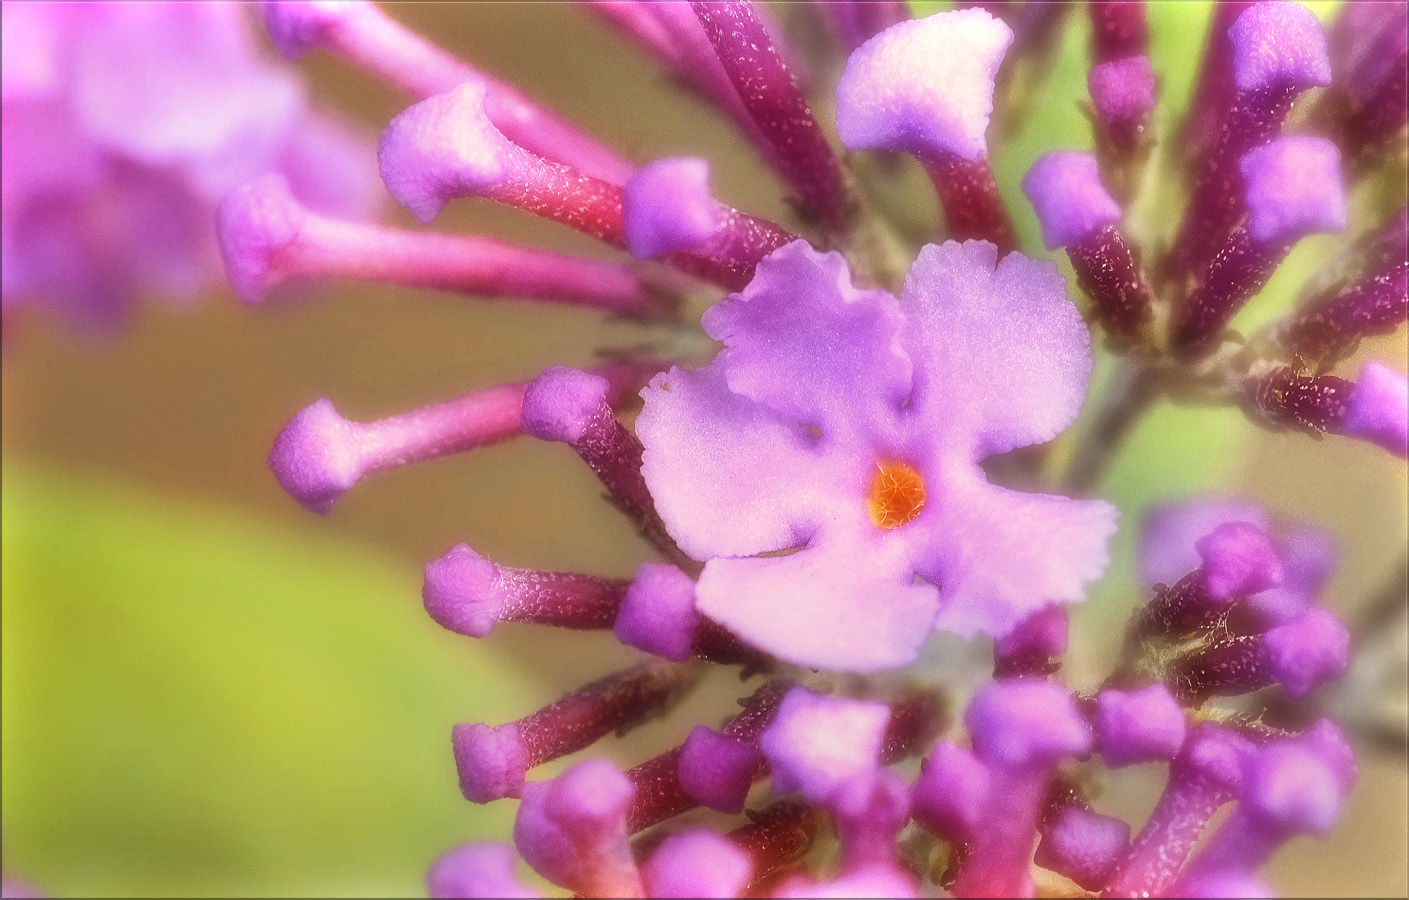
{"x": 819, "y": 491}
{"x": 124, "y": 125}
{"x": 836, "y": 479}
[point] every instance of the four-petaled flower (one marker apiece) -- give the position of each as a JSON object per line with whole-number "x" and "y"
{"x": 846, "y": 426}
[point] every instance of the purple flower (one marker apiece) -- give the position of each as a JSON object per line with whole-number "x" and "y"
{"x": 817, "y": 495}
{"x": 835, "y": 425}
{"x": 124, "y": 124}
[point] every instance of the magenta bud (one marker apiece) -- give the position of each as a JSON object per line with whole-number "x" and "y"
{"x": 443, "y": 148}
{"x": 462, "y": 592}
{"x": 572, "y": 830}
{"x": 1238, "y": 559}
{"x": 297, "y": 26}
{"x": 666, "y": 208}
{"x": 658, "y": 612}
{"x": 1122, "y": 90}
{"x": 924, "y": 86}
{"x": 1065, "y": 190}
{"x": 951, "y": 792}
{"x": 1216, "y": 755}
{"x": 1310, "y": 648}
{"x": 561, "y": 402}
{"x": 1139, "y": 726}
{"x": 1084, "y": 846}
{"x": 717, "y": 770}
{"x": 816, "y": 743}
{"x": 317, "y": 457}
{"x": 475, "y": 870}
{"x": 1294, "y": 788}
{"x": 254, "y": 223}
{"x": 1293, "y": 189}
{"x": 697, "y": 862}
{"x": 1024, "y": 723}
{"x": 492, "y": 761}
{"x": 1378, "y": 410}
{"x": 1278, "y": 44}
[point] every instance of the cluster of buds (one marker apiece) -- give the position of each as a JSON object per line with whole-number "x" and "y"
{"x": 814, "y": 492}
{"x": 1242, "y": 621}
{"x": 1258, "y": 187}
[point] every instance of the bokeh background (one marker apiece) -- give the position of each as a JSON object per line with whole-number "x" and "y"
{"x": 208, "y": 690}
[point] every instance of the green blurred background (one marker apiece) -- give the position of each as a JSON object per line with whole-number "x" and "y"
{"x": 208, "y": 690}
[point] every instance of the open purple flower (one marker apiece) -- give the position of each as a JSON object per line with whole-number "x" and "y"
{"x": 847, "y": 426}
{"x": 817, "y": 494}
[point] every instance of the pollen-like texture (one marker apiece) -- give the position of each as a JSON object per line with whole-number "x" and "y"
{"x": 897, "y": 495}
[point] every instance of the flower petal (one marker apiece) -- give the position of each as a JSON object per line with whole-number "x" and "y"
{"x": 729, "y": 477}
{"x": 849, "y": 603}
{"x": 1001, "y": 555}
{"x": 1001, "y": 355}
{"x": 803, "y": 341}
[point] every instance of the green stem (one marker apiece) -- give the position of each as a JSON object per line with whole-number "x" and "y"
{"x": 1130, "y": 396}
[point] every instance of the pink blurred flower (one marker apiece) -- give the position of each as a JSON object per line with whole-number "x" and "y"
{"x": 124, "y": 124}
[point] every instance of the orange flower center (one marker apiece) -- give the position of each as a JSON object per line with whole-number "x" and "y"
{"x": 897, "y": 494}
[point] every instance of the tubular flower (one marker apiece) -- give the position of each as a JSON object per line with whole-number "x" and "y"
{"x": 835, "y": 479}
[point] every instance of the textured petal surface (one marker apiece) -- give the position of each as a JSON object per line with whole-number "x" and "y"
{"x": 816, "y": 744}
{"x": 1276, "y": 44}
{"x": 804, "y": 342}
{"x": 1293, "y": 189}
{"x": 890, "y": 95}
{"x": 442, "y": 148}
{"x": 666, "y": 207}
{"x": 729, "y": 477}
{"x": 1001, "y": 355}
{"x": 1065, "y": 190}
{"x": 845, "y": 603}
{"x": 1123, "y": 89}
{"x": 1001, "y": 555}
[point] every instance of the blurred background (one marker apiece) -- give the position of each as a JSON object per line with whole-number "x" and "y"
{"x": 209, "y": 690}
